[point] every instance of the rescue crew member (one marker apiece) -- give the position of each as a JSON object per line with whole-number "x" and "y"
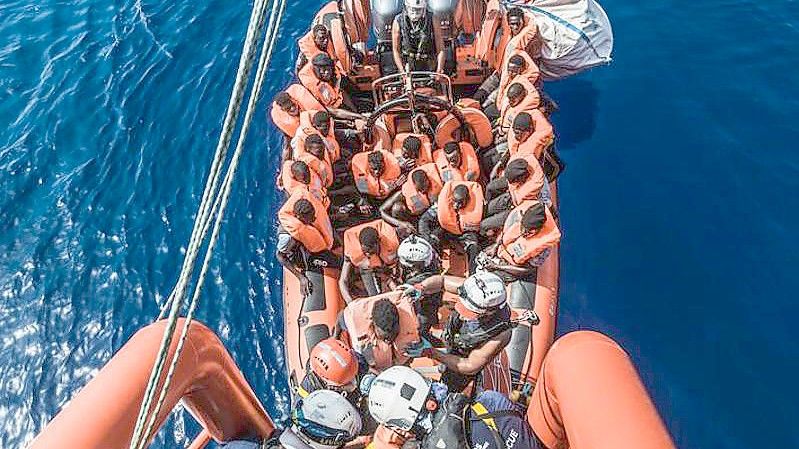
{"x": 376, "y": 173}
{"x": 404, "y": 401}
{"x": 457, "y": 161}
{"x": 380, "y": 329}
{"x": 476, "y": 331}
{"x": 416, "y": 44}
{"x": 322, "y": 80}
{"x": 526, "y": 241}
{"x": 332, "y": 365}
{"x": 456, "y": 216}
{"x": 313, "y": 43}
{"x": 322, "y": 420}
{"x": 417, "y": 194}
{"x": 418, "y": 261}
{"x": 305, "y": 236}
{"x": 370, "y": 250}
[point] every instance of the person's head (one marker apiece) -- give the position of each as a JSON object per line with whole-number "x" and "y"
{"x": 323, "y": 67}
{"x": 376, "y": 163}
{"x": 335, "y": 363}
{"x": 315, "y": 145}
{"x": 517, "y": 171}
{"x": 385, "y": 319}
{"x": 452, "y": 151}
{"x": 523, "y": 126}
{"x": 398, "y": 397}
{"x": 304, "y": 211}
{"x": 369, "y": 240}
{"x": 533, "y": 219}
{"x": 301, "y": 172}
{"x": 420, "y": 181}
{"x": 481, "y": 294}
{"x": 516, "y": 65}
{"x": 515, "y": 20}
{"x": 321, "y": 121}
{"x": 415, "y": 9}
{"x": 460, "y": 197}
{"x": 411, "y": 147}
{"x": 321, "y": 37}
{"x": 322, "y": 420}
{"x": 287, "y": 104}
{"x": 516, "y": 93}
{"x": 415, "y": 254}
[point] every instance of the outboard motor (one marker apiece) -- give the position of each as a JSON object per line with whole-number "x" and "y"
{"x": 383, "y": 14}
{"x": 444, "y": 18}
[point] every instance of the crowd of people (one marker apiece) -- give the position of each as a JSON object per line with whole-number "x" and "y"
{"x": 383, "y": 213}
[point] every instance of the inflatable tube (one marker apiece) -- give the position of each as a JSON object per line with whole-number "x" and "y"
{"x": 208, "y": 382}
{"x": 307, "y": 321}
{"x": 589, "y": 396}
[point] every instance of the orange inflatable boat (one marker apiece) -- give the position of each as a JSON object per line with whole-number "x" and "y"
{"x": 581, "y": 391}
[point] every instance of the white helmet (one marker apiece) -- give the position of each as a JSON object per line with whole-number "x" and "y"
{"x": 397, "y": 397}
{"x": 325, "y": 420}
{"x": 413, "y": 250}
{"x": 415, "y": 9}
{"x": 481, "y": 293}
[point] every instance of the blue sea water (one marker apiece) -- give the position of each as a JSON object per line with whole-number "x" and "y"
{"x": 679, "y": 205}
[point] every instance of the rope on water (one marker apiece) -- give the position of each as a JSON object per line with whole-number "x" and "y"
{"x": 212, "y": 208}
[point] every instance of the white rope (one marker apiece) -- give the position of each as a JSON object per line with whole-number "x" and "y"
{"x": 209, "y": 209}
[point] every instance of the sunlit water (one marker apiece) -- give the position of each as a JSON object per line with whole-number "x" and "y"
{"x": 679, "y": 204}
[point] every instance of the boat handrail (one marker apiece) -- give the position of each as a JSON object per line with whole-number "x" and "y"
{"x": 207, "y": 381}
{"x": 407, "y": 82}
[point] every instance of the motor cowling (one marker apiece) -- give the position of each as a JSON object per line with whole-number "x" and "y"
{"x": 383, "y": 13}
{"x": 442, "y": 7}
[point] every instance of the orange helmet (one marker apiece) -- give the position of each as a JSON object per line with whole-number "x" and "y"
{"x": 334, "y": 362}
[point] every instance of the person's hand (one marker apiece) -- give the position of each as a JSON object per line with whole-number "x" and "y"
{"x": 306, "y": 287}
{"x": 408, "y": 164}
{"x": 406, "y": 229}
{"x": 412, "y": 292}
{"x": 399, "y": 181}
{"x": 422, "y": 348}
{"x": 365, "y": 208}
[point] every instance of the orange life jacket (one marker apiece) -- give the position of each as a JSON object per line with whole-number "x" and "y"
{"x": 304, "y": 98}
{"x": 315, "y": 237}
{"x": 479, "y": 126}
{"x": 425, "y": 153}
{"x": 531, "y": 187}
{"x": 388, "y": 246}
{"x": 486, "y": 43}
{"x": 541, "y": 138}
{"x": 469, "y": 15}
{"x": 291, "y": 185}
{"x": 517, "y": 249}
{"x": 469, "y": 169}
{"x": 416, "y": 201}
{"x": 532, "y": 73}
{"x": 363, "y": 339}
{"x": 366, "y": 183}
{"x": 309, "y": 49}
{"x": 322, "y": 167}
{"x": 327, "y": 94}
{"x": 465, "y": 220}
{"x": 284, "y": 121}
{"x": 306, "y": 129}
{"x": 530, "y": 102}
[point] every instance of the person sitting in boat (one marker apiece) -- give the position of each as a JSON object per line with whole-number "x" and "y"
{"x": 305, "y": 237}
{"x": 316, "y": 41}
{"x": 370, "y": 250}
{"x": 476, "y": 331}
{"x": 523, "y": 180}
{"x": 418, "y": 261}
{"x": 457, "y": 161}
{"x": 322, "y": 420}
{"x": 417, "y": 45}
{"x": 402, "y": 400}
{"x": 322, "y": 81}
{"x": 376, "y": 173}
{"x": 414, "y": 152}
{"x": 313, "y": 152}
{"x": 418, "y": 193}
{"x": 519, "y": 64}
{"x": 332, "y": 365}
{"x": 285, "y": 114}
{"x": 297, "y": 176}
{"x": 320, "y": 123}
{"x": 521, "y": 96}
{"x": 380, "y": 329}
{"x": 455, "y": 217}
{"x": 532, "y": 133}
